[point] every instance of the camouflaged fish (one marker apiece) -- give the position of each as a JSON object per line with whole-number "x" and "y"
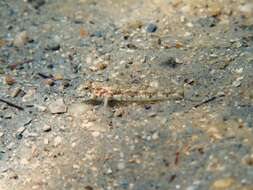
{"x": 101, "y": 93}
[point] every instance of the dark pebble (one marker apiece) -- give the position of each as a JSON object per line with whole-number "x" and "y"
{"x": 98, "y": 34}
{"x": 65, "y": 83}
{"x": 88, "y": 188}
{"x": 37, "y": 3}
{"x": 169, "y": 62}
{"x": 11, "y": 12}
{"x": 147, "y": 107}
{"x": 246, "y": 27}
{"x": 124, "y": 184}
{"x": 209, "y": 21}
{"x": 53, "y": 46}
{"x": 50, "y": 66}
{"x": 19, "y": 136}
{"x": 151, "y": 28}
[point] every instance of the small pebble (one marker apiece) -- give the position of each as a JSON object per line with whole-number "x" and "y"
{"x": 29, "y": 96}
{"x": 152, "y": 114}
{"x": 9, "y": 80}
{"x": 4, "y": 168}
{"x": 49, "y": 82}
{"x": 135, "y": 24}
{"x": 19, "y": 133}
{"x": 237, "y": 83}
{"x": 101, "y": 66}
{"x": 10, "y": 146}
{"x": 1, "y": 70}
{"x": 170, "y": 62}
{"x": 53, "y": 46}
{"x": 75, "y": 166}
{"x": 83, "y": 32}
{"x": 248, "y": 160}
{"x": 190, "y": 25}
{"x": 30, "y": 134}
{"x": 154, "y": 84}
{"x": 16, "y": 92}
{"x": 47, "y": 128}
{"x": 88, "y": 188}
{"x": 57, "y": 141}
{"x": 214, "y": 9}
{"x": 21, "y": 39}
{"x": 239, "y": 71}
{"x": 12, "y": 175}
{"x": 121, "y": 166}
{"x": 214, "y": 132}
{"x": 119, "y": 112}
{"x": 77, "y": 110}
{"x": 247, "y": 8}
{"x": 155, "y": 136}
{"x": 109, "y": 171}
{"x": 46, "y": 141}
{"x": 40, "y": 108}
{"x": 98, "y": 34}
{"x": 64, "y": 84}
{"x": 2, "y": 42}
{"x": 95, "y": 134}
{"x": 151, "y": 28}
{"x": 193, "y": 187}
{"x": 8, "y": 116}
{"x": 221, "y": 184}
{"x": 57, "y": 106}
{"x": 88, "y": 60}
{"x": 58, "y": 76}
{"x": 37, "y": 3}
